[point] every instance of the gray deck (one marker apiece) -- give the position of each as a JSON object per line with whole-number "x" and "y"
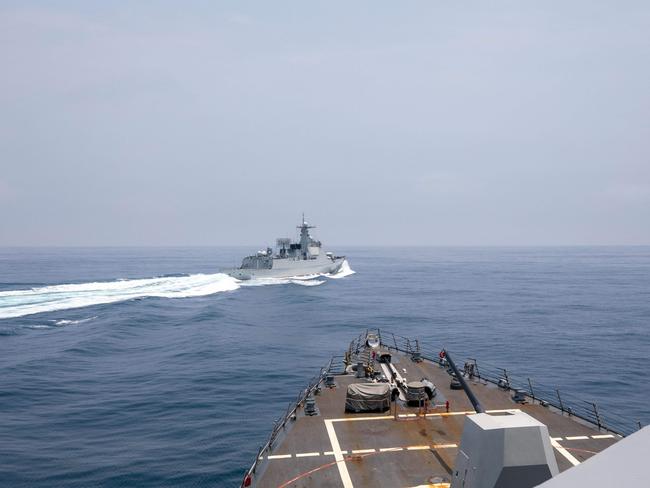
{"x": 403, "y": 447}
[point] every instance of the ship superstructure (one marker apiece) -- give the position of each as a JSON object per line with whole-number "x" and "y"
{"x": 291, "y": 259}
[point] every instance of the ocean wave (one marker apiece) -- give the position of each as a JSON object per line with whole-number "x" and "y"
{"x": 18, "y": 303}
{"x": 63, "y": 322}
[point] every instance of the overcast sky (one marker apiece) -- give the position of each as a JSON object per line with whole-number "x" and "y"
{"x": 434, "y": 122}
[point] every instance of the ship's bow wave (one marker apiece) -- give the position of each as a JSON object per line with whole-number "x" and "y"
{"x": 343, "y": 271}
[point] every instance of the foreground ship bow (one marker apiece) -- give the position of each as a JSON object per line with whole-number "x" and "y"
{"x": 395, "y": 413}
{"x": 292, "y": 259}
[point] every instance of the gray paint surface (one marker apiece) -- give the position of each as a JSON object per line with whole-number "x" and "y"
{"x": 287, "y": 268}
{"x": 623, "y": 464}
{"x": 503, "y": 451}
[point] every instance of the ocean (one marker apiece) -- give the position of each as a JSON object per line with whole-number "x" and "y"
{"x": 146, "y": 367}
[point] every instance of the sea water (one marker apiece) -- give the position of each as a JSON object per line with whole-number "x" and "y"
{"x": 148, "y": 367}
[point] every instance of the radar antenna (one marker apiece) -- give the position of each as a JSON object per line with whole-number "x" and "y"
{"x": 305, "y": 225}
{"x": 283, "y": 242}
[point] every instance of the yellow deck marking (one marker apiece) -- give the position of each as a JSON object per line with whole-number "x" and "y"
{"x": 407, "y": 415}
{"x": 307, "y": 454}
{"x": 554, "y": 443}
{"x": 583, "y": 437}
{"x": 362, "y": 451}
{"x": 338, "y": 455}
{"x": 433, "y": 485}
{"x": 355, "y": 419}
{"x": 569, "y": 457}
{"x": 279, "y": 456}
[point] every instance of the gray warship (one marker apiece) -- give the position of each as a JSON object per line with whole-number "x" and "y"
{"x": 292, "y": 259}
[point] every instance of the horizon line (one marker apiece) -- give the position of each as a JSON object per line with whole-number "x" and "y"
{"x": 163, "y": 246}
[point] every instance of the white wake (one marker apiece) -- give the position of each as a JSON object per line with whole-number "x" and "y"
{"x": 18, "y": 303}
{"x": 343, "y": 271}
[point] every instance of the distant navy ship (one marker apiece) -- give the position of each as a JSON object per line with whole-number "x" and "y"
{"x": 292, "y": 259}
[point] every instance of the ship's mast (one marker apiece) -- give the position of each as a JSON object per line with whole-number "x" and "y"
{"x": 305, "y": 238}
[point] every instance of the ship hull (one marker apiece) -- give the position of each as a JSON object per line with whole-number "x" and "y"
{"x": 289, "y": 268}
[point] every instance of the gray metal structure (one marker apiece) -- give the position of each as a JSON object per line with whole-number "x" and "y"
{"x": 291, "y": 259}
{"x": 623, "y": 464}
{"x": 510, "y": 450}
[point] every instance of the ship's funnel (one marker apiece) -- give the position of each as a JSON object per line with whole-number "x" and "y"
{"x": 503, "y": 451}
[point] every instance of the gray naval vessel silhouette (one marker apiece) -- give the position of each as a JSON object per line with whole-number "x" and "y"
{"x": 396, "y": 412}
{"x": 293, "y": 259}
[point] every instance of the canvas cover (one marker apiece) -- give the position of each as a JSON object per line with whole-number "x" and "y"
{"x": 367, "y": 397}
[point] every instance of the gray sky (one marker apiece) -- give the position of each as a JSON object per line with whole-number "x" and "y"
{"x": 478, "y": 123}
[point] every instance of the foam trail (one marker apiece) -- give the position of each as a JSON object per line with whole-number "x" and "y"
{"x": 63, "y": 322}
{"x": 17, "y": 303}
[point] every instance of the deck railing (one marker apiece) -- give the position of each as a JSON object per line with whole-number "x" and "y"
{"x": 334, "y": 366}
{"x": 566, "y": 402}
